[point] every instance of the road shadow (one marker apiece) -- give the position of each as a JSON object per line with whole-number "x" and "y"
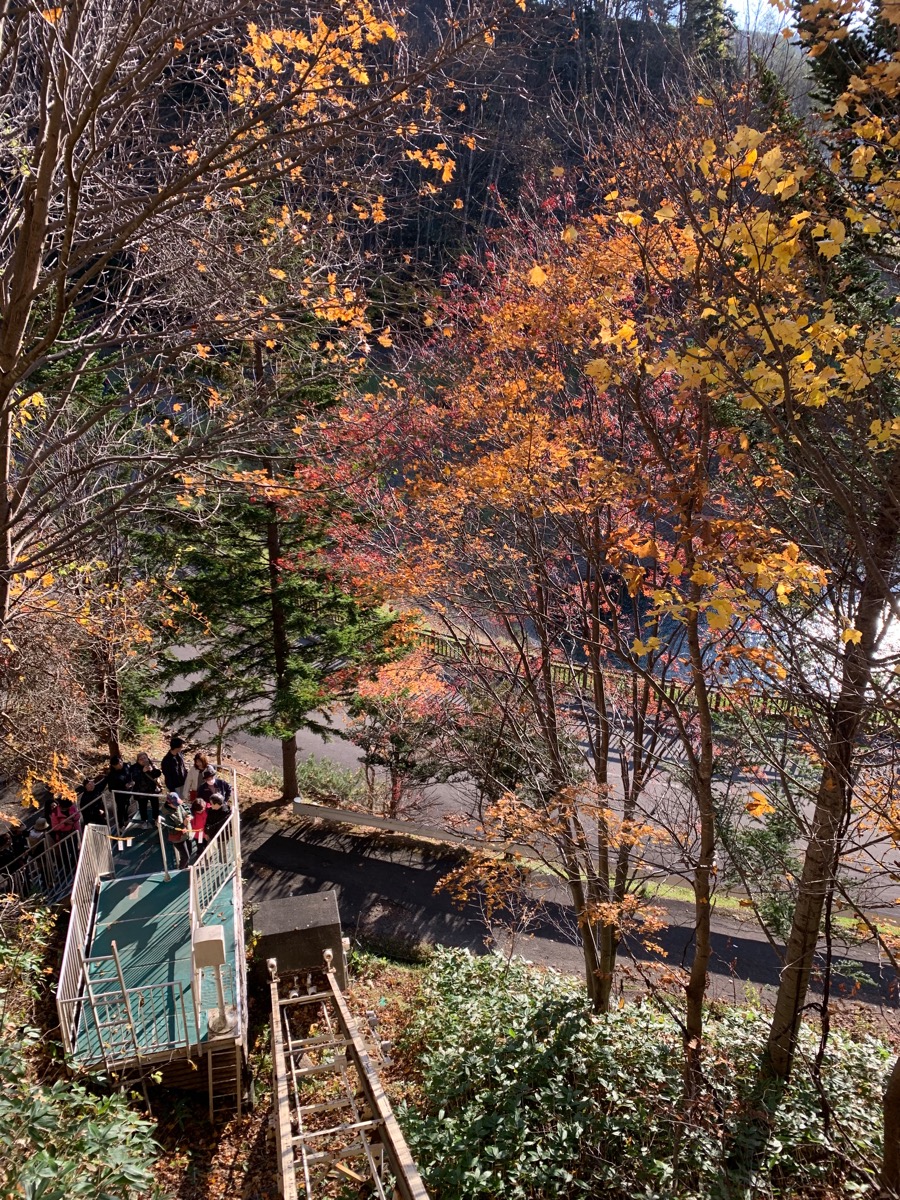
{"x": 386, "y": 895}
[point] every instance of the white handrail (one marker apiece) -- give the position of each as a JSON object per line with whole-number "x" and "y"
{"x": 46, "y": 872}
{"x": 94, "y": 861}
{"x": 154, "y": 1014}
{"x": 215, "y": 867}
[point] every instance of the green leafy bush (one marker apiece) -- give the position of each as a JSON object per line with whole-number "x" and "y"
{"x": 58, "y": 1139}
{"x": 325, "y": 781}
{"x": 526, "y": 1094}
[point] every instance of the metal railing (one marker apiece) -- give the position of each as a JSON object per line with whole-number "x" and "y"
{"x": 141, "y": 1021}
{"x": 576, "y": 676}
{"x": 213, "y": 869}
{"x": 49, "y": 873}
{"x": 95, "y": 861}
{"x": 315, "y": 1036}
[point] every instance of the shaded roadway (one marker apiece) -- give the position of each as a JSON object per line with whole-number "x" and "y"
{"x": 386, "y": 895}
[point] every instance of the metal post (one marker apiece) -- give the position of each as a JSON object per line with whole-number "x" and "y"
{"x": 162, "y": 849}
{"x": 236, "y": 829}
{"x": 195, "y": 895}
{"x": 238, "y": 1077}
{"x": 220, "y": 992}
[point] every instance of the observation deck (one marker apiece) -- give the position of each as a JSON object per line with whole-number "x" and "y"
{"x": 134, "y": 995}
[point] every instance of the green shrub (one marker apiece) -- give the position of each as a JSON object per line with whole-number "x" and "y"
{"x": 58, "y": 1139}
{"x": 326, "y": 781}
{"x": 527, "y": 1094}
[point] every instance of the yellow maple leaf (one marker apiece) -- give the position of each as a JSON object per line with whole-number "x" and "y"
{"x": 641, "y": 648}
{"x": 537, "y": 276}
{"x": 758, "y": 805}
{"x": 599, "y": 371}
{"x": 851, "y": 635}
{"x": 277, "y": 274}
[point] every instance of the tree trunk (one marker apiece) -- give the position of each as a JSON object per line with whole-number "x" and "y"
{"x": 280, "y": 646}
{"x": 19, "y": 286}
{"x": 890, "y": 1162}
{"x": 592, "y": 964}
{"x": 281, "y": 654}
{"x": 703, "y": 794}
{"x": 602, "y": 735}
{"x": 109, "y": 702}
{"x": 290, "y": 785}
{"x": 606, "y": 968}
{"x": 834, "y": 795}
{"x": 113, "y": 709}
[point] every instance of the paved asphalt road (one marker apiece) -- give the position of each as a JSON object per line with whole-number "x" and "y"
{"x": 386, "y": 895}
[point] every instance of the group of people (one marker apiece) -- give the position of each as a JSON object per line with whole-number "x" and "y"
{"x": 191, "y": 802}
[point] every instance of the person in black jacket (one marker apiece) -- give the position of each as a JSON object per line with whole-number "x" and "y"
{"x": 144, "y": 779}
{"x": 211, "y": 784}
{"x": 90, "y": 800}
{"x": 120, "y": 782}
{"x": 216, "y": 815}
{"x": 174, "y": 768}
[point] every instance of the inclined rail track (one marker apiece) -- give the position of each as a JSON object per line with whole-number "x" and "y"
{"x": 333, "y": 1121}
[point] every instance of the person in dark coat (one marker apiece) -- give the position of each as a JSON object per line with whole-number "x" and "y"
{"x": 144, "y": 779}
{"x": 174, "y": 768}
{"x": 212, "y": 783}
{"x": 120, "y": 782}
{"x": 90, "y": 800}
{"x": 217, "y": 813}
{"x": 7, "y": 849}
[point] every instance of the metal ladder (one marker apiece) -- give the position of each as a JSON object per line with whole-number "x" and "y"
{"x": 225, "y": 1076}
{"x": 117, "y": 1032}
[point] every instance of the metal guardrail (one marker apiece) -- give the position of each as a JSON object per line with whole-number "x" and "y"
{"x": 214, "y": 868}
{"x": 95, "y": 861}
{"x": 576, "y": 676}
{"x": 140, "y": 1021}
{"x": 48, "y": 874}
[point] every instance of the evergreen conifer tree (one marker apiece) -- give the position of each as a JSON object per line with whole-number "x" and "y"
{"x": 272, "y": 639}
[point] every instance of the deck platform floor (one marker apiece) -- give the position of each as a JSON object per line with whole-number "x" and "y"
{"x": 148, "y": 919}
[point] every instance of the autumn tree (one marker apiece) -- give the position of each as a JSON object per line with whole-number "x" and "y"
{"x": 223, "y": 660}
{"x": 396, "y": 717}
{"x": 158, "y": 162}
{"x": 819, "y": 369}
{"x": 784, "y": 234}
{"x": 567, "y": 518}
